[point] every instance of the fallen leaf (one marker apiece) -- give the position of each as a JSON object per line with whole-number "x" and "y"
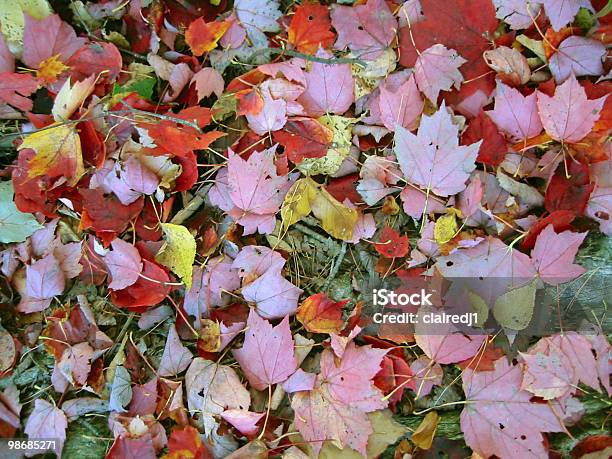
{"x": 568, "y": 116}
{"x": 267, "y": 353}
{"x": 437, "y": 69}
{"x": 15, "y": 226}
{"x": 58, "y": 153}
{"x": 500, "y": 418}
{"x": 319, "y": 314}
{"x": 424, "y": 434}
{"x": 178, "y": 252}
{"x": 433, "y": 158}
{"x": 176, "y": 356}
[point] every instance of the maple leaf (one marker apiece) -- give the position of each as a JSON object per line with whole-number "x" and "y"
{"x": 366, "y": 29}
{"x": 562, "y": 12}
{"x": 304, "y": 137}
{"x": 437, "y": 69}
{"x": 555, "y": 366}
{"x": 208, "y": 285}
{"x": 391, "y": 244}
{"x": 211, "y": 389}
{"x": 499, "y": 418}
{"x": 251, "y": 191}
{"x": 47, "y": 421}
{"x": 176, "y": 357}
{"x": 185, "y": 442}
{"x": 319, "y": 418}
{"x": 48, "y": 37}
{"x": 514, "y": 114}
{"x": 447, "y": 345}
{"x": 58, "y": 153}
{"x": 258, "y": 17}
{"x": 208, "y": 81}
{"x": 44, "y": 280}
{"x": 202, "y": 37}
{"x": 243, "y": 420}
{"x": 124, "y": 264}
{"x": 433, "y": 158}
{"x": 569, "y": 188}
{"x": 401, "y": 106}
{"x": 553, "y": 255}
{"x": 511, "y": 66}
{"x": 274, "y": 295}
{"x": 329, "y": 87}
{"x": 462, "y": 25}
{"x": 579, "y": 56}
{"x": 568, "y": 116}
{"x": 519, "y": 14}
{"x": 15, "y": 89}
{"x": 493, "y": 148}
{"x": 310, "y": 28}
{"x": 267, "y": 353}
{"x": 319, "y": 314}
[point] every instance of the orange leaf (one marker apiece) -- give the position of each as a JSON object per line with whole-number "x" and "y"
{"x": 185, "y": 443}
{"x": 310, "y": 28}
{"x": 319, "y": 314}
{"x": 202, "y": 37}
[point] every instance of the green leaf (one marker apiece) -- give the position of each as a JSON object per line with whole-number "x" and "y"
{"x": 178, "y": 253}
{"x": 15, "y": 226}
{"x": 514, "y": 309}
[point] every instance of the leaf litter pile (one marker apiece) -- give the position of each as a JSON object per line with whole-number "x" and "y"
{"x": 198, "y": 199}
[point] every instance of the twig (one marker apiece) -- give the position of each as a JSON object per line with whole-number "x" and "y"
{"x": 308, "y": 57}
{"x": 336, "y": 266}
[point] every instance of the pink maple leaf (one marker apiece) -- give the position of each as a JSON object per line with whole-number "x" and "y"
{"x": 176, "y": 356}
{"x": 555, "y": 365}
{"x": 329, "y": 88}
{"x": 46, "y": 422}
{"x": 437, "y": 69}
{"x": 553, "y": 255}
{"x": 514, "y": 114}
{"x": 499, "y": 418}
{"x": 124, "y": 264}
{"x": 568, "y": 116}
{"x": 44, "y": 280}
{"x": 433, "y": 158}
{"x": 350, "y": 380}
{"x": 562, "y": 12}
{"x": 519, "y": 14}
{"x": 46, "y": 38}
{"x": 577, "y": 55}
{"x": 250, "y": 191}
{"x": 366, "y": 29}
{"x": 400, "y": 106}
{"x": 267, "y": 355}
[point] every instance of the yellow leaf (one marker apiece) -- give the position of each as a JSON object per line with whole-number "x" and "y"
{"x": 337, "y": 219}
{"x": 424, "y": 434}
{"x": 58, "y": 153}
{"x": 12, "y": 22}
{"x": 514, "y": 309}
{"x": 480, "y": 307}
{"x": 69, "y": 98}
{"x": 342, "y": 129}
{"x": 50, "y": 69}
{"x": 298, "y": 201}
{"x": 178, "y": 253}
{"x": 446, "y": 228}
{"x": 307, "y": 196}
